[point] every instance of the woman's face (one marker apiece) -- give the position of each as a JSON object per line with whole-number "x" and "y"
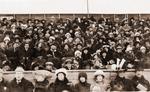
{"x": 66, "y": 47}
{"x": 61, "y": 76}
{"x": 85, "y": 51}
{"x": 99, "y": 78}
{"x": 82, "y": 79}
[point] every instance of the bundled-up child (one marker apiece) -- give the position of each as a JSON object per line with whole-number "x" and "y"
{"x": 41, "y": 80}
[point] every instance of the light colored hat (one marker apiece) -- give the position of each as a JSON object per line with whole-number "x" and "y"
{"x": 99, "y": 72}
{"x": 19, "y": 69}
{"x": 146, "y": 28}
{"x": 77, "y": 33}
{"x": 44, "y": 73}
{"x": 61, "y": 70}
{"x": 49, "y": 63}
{"x": 67, "y": 34}
{"x": 52, "y": 37}
{"x": 7, "y": 38}
{"x": 129, "y": 49}
{"x": 142, "y": 47}
{"x": 76, "y": 52}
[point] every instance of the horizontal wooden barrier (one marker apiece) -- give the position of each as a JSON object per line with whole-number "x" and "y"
{"x": 73, "y": 75}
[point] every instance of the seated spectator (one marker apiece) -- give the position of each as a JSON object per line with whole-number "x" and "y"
{"x": 61, "y": 83}
{"x": 4, "y": 85}
{"x": 120, "y": 83}
{"x": 99, "y": 84}
{"x": 140, "y": 83}
{"x": 82, "y": 85}
{"x": 19, "y": 83}
{"x": 41, "y": 81}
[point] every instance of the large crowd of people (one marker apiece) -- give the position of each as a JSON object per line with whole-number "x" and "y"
{"x": 79, "y": 43}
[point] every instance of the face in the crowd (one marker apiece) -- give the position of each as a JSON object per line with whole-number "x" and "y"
{"x": 66, "y": 47}
{"x": 139, "y": 74}
{"x": 53, "y": 48}
{"x": 82, "y": 79}
{"x": 19, "y": 75}
{"x": 79, "y": 47}
{"x": 61, "y": 31}
{"x": 99, "y": 78}
{"x": 119, "y": 50}
{"x": 147, "y": 44}
{"x": 85, "y": 51}
{"x": 61, "y": 76}
{"x": 48, "y": 67}
{"x": 15, "y": 45}
{"x": 143, "y": 50}
{"x": 104, "y": 54}
{"x": 78, "y": 55}
{"x": 26, "y": 46}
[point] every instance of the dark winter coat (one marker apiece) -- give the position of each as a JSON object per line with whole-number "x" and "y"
{"x": 41, "y": 86}
{"x": 141, "y": 81}
{"x": 82, "y": 87}
{"x": 60, "y": 86}
{"x": 121, "y": 84}
{"x": 4, "y": 86}
{"x": 23, "y": 86}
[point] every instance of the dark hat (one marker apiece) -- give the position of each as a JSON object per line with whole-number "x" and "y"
{"x": 82, "y": 74}
{"x": 139, "y": 69}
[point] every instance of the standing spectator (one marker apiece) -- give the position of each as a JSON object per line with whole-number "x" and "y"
{"x": 82, "y": 85}
{"x": 13, "y": 56}
{"x": 26, "y": 54}
{"x": 19, "y": 83}
{"x": 61, "y": 83}
{"x": 99, "y": 84}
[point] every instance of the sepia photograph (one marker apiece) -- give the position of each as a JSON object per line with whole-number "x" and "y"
{"x": 74, "y": 46}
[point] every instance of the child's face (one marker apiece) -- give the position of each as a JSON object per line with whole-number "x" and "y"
{"x": 99, "y": 78}
{"x": 82, "y": 79}
{"x": 61, "y": 76}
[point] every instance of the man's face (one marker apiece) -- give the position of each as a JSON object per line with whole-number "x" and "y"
{"x": 19, "y": 75}
{"x": 26, "y": 46}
